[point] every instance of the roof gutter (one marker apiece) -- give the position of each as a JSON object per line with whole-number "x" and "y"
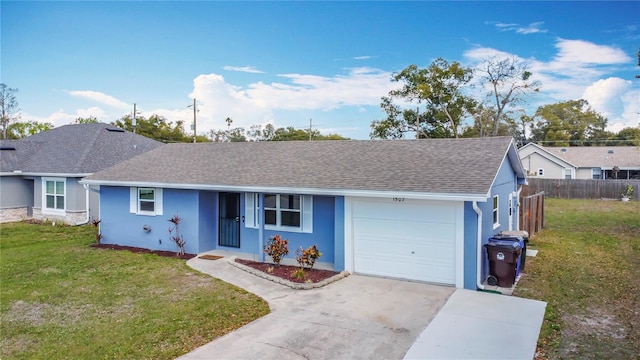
{"x": 302, "y": 191}
{"x": 479, "y": 248}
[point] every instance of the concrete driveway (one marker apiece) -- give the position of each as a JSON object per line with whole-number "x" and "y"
{"x": 358, "y": 317}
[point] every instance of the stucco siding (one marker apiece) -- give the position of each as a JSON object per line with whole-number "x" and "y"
{"x": 534, "y": 161}
{"x": 470, "y": 246}
{"x": 121, "y": 227}
{"x": 323, "y": 233}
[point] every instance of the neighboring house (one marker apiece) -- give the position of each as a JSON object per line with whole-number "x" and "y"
{"x": 39, "y": 174}
{"x": 410, "y": 209}
{"x": 581, "y": 162}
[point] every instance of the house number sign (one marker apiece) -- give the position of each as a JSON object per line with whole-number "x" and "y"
{"x": 398, "y": 199}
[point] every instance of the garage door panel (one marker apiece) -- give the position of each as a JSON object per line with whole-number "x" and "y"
{"x": 413, "y": 241}
{"x": 401, "y": 211}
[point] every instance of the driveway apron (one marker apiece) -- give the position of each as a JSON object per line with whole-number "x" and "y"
{"x": 357, "y": 317}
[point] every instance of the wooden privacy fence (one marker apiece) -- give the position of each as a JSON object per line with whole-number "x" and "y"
{"x": 580, "y": 189}
{"x": 532, "y": 213}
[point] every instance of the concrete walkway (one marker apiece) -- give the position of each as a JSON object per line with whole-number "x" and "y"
{"x": 361, "y": 317}
{"x": 358, "y": 317}
{"x": 481, "y": 325}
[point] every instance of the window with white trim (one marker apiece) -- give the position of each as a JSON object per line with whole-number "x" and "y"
{"x": 145, "y": 201}
{"x": 595, "y": 173}
{"x": 496, "y": 207}
{"x": 285, "y": 212}
{"x": 54, "y": 190}
{"x": 568, "y": 173}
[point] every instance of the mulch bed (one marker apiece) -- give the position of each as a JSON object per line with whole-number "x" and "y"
{"x": 285, "y": 271}
{"x": 144, "y": 251}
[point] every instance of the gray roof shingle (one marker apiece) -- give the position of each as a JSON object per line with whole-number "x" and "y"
{"x": 598, "y": 156}
{"x": 73, "y": 149}
{"x": 459, "y": 166}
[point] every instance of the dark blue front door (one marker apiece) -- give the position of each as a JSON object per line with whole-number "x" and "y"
{"x": 229, "y": 210}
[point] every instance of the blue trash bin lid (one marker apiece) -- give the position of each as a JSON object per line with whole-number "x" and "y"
{"x": 503, "y": 243}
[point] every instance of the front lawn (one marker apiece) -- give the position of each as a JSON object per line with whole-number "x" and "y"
{"x": 61, "y": 298}
{"x": 588, "y": 270}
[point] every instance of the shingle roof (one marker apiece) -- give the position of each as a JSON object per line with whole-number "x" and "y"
{"x": 599, "y": 156}
{"x": 460, "y": 166}
{"x": 73, "y": 149}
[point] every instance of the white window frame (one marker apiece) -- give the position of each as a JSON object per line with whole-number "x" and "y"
{"x": 569, "y": 172}
{"x": 540, "y": 172}
{"x": 134, "y": 201}
{"x": 54, "y": 210}
{"x": 496, "y": 211}
{"x": 252, "y": 207}
{"x": 596, "y": 171}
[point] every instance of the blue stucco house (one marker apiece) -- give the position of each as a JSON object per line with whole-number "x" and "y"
{"x": 409, "y": 209}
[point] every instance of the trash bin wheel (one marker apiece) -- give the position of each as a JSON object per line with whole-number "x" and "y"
{"x": 492, "y": 280}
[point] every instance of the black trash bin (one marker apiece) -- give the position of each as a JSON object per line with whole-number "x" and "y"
{"x": 525, "y": 241}
{"x": 503, "y": 260}
{"x": 523, "y": 246}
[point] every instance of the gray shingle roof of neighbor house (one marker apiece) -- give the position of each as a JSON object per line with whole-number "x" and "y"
{"x": 73, "y": 149}
{"x": 458, "y": 166}
{"x": 599, "y": 156}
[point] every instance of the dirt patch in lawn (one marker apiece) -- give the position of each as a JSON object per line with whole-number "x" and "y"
{"x": 144, "y": 251}
{"x": 287, "y": 272}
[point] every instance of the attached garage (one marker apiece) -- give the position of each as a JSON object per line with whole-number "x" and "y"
{"x": 407, "y": 239}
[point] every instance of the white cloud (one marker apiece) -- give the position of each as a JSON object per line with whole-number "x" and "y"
{"x": 100, "y": 97}
{"x": 247, "y": 69}
{"x": 616, "y": 100}
{"x": 579, "y": 52}
{"x": 365, "y": 57}
{"x": 61, "y": 117}
{"x": 532, "y": 28}
{"x": 257, "y": 102}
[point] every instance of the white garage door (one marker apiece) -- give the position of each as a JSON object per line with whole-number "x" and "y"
{"x": 408, "y": 239}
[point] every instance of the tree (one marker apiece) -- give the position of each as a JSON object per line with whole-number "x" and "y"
{"x": 440, "y": 87}
{"x": 19, "y": 130}
{"x": 509, "y": 82}
{"x": 629, "y": 136}
{"x": 568, "y": 123}
{"x": 156, "y": 127}
{"x": 89, "y": 120}
{"x": 9, "y": 110}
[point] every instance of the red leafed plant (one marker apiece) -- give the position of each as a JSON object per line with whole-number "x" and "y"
{"x": 306, "y": 258}
{"x": 277, "y": 248}
{"x": 95, "y": 224}
{"x": 177, "y": 237}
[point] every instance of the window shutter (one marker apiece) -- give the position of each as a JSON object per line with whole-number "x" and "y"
{"x": 159, "y": 201}
{"x": 307, "y": 213}
{"x": 250, "y": 210}
{"x": 133, "y": 200}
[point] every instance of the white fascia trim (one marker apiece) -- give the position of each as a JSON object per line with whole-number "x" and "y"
{"x": 301, "y": 191}
{"x": 65, "y": 175}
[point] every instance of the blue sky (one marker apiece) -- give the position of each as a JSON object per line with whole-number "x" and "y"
{"x": 288, "y": 62}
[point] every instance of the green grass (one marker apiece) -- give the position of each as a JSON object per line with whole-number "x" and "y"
{"x": 61, "y": 298}
{"x": 588, "y": 270}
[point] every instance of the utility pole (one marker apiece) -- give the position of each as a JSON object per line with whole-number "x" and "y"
{"x": 194, "y": 120}
{"x": 418, "y": 122}
{"x": 133, "y": 122}
{"x": 310, "y": 126}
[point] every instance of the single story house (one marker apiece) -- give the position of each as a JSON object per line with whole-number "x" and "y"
{"x": 409, "y": 209}
{"x": 581, "y": 162}
{"x": 39, "y": 174}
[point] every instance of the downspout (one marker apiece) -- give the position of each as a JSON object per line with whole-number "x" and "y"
{"x": 86, "y": 218}
{"x": 518, "y": 207}
{"x": 261, "y": 226}
{"x": 479, "y": 247}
